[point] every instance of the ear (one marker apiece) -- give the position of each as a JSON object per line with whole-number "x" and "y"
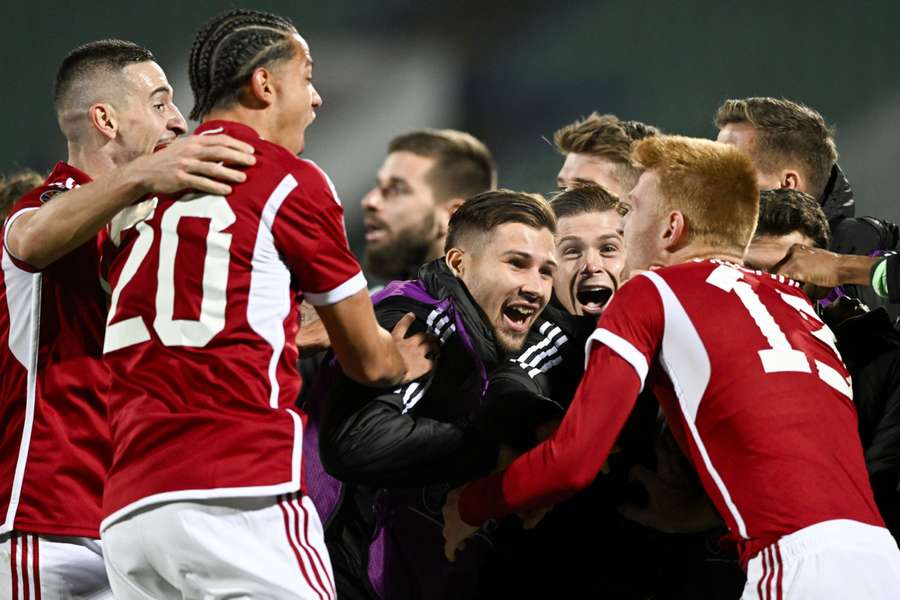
{"x": 790, "y": 180}
{"x": 454, "y": 260}
{"x": 103, "y": 119}
{"x": 261, "y": 90}
{"x": 675, "y": 232}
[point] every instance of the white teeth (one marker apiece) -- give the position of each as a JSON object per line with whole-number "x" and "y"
{"x": 526, "y": 312}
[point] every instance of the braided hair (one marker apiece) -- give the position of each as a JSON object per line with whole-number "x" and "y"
{"x": 226, "y": 51}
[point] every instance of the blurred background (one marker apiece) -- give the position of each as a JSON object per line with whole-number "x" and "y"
{"x": 511, "y": 73}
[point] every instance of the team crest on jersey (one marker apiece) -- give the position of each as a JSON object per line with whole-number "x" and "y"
{"x": 57, "y": 187}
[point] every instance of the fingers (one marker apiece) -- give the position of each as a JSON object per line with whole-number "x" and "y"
{"x": 202, "y": 184}
{"x": 402, "y": 326}
{"x": 216, "y": 171}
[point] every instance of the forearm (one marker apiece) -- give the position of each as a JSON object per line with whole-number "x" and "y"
{"x": 571, "y": 458}
{"x": 856, "y": 270}
{"x": 371, "y": 441}
{"x": 70, "y": 219}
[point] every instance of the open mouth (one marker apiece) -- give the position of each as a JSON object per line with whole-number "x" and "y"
{"x": 593, "y": 298}
{"x": 518, "y": 317}
{"x": 375, "y": 232}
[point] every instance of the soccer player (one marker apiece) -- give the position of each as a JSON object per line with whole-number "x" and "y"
{"x": 397, "y": 451}
{"x": 114, "y": 106}
{"x": 424, "y": 178}
{"x": 752, "y": 387}
{"x": 204, "y": 497}
{"x": 598, "y": 150}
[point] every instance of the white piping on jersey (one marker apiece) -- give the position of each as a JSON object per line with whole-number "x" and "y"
{"x": 687, "y": 365}
{"x": 252, "y": 491}
{"x": 268, "y": 302}
{"x": 412, "y": 393}
{"x": 24, "y": 343}
{"x": 8, "y": 226}
{"x": 341, "y": 292}
{"x": 546, "y": 359}
{"x": 620, "y": 346}
{"x": 441, "y": 327}
{"x": 212, "y": 131}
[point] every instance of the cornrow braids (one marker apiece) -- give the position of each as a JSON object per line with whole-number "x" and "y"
{"x": 226, "y": 51}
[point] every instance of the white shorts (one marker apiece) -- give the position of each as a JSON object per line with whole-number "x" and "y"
{"x": 222, "y": 548}
{"x": 833, "y": 560}
{"x": 40, "y": 567}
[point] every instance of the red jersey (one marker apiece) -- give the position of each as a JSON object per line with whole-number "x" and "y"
{"x": 200, "y": 337}
{"x": 54, "y": 438}
{"x": 752, "y": 387}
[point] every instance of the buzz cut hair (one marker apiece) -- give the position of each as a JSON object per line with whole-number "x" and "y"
{"x": 94, "y": 58}
{"x": 788, "y": 133}
{"x": 484, "y": 212}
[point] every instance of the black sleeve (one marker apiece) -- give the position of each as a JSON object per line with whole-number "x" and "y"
{"x": 369, "y": 436}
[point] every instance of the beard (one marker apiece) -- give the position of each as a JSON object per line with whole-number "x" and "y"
{"x": 402, "y": 255}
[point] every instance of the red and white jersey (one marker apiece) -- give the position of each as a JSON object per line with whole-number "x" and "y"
{"x": 752, "y": 387}
{"x": 200, "y": 336}
{"x": 54, "y": 437}
{"x": 755, "y": 393}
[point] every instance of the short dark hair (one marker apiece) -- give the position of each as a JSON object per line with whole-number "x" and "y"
{"x": 486, "y": 211}
{"x": 15, "y": 186}
{"x": 785, "y": 211}
{"x": 606, "y": 136}
{"x": 228, "y": 48}
{"x": 786, "y": 131}
{"x": 463, "y": 164}
{"x": 109, "y": 55}
{"x": 582, "y": 199}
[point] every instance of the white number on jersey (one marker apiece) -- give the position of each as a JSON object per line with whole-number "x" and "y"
{"x": 171, "y": 331}
{"x": 780, "y": 356}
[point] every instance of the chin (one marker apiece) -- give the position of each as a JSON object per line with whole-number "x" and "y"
{"x": 510, "y": 344}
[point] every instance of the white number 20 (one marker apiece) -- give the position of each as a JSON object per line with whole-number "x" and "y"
{"x": 780, "y": 356}
{"x": 177, "y": 332}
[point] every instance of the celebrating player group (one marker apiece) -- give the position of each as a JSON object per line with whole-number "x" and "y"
{"x": 677, "y": 377}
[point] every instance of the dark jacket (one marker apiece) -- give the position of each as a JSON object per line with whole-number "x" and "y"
{"x": 870, "y": 347}
{"x": 864, "y": 236}
{"x": 398, "y": 451}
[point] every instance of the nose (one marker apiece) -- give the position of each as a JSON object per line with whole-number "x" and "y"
{"x": 372, "y": 200}
{"x": 176, "y": 122}
{"x": 535, "y": 288}
{"x": 593, "y": 261}
{"x": 316, "y": 98}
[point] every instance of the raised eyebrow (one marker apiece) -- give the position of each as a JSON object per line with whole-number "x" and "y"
{"x": 163, "y": 89}
{"x": 573, "y": 238}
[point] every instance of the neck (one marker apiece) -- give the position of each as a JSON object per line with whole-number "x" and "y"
{"x": 259, "y": 120}
{"x": 690, "y": 253}
{"x": 91, "y": 159}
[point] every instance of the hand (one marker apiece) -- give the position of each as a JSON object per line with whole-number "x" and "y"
{"x": 810, "y": 265}
{"x": 419, "y": 351}
{"x": 456, "y": 531}
{"x": 312, "y": 337}
{"x": 202, "y": 163}
{"x": 677, "y": 502}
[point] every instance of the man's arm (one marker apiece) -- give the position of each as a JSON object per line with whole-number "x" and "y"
{"x": 70, "y": 219}
{"x": 827, "y": 269}
{"x": 374, "y": 437}
{"x": 561, "y": 466}
{"x": 367, "y": 352}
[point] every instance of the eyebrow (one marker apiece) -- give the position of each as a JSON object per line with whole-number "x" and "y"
{"x": 160, "y": 89}
{"x": 522, "y": 254}
{"x": 578, "y": 238}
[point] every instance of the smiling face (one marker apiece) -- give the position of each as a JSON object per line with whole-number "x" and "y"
{"x": 147, "y": 115}
{"x": 591, "y": 254}
{"x": 509, "y": 273}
